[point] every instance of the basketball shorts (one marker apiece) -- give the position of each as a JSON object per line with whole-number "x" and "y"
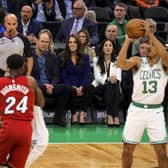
{"x": 139, "y": 119}
{"x": 15, "y": 142}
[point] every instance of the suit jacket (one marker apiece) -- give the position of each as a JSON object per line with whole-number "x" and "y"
{"x": 88, "y": 25}
{"x": 71, "y": 75}
{"x": 51, "y": 67}
{"x": 34, "y": 27}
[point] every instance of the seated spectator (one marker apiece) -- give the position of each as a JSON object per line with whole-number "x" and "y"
{"x": 107, "y": 81}
{"x": 111, "y": 33}
{"x": 47, "y": 10}
{"x": 76, "y": 23}
{"x": 120, "y": 12}
{"x": 46, "y": 72}
{"x": 84, "y": 39}
{"x": 2, "y": 16}
{"x": 74, "y": 72}
{"x": 27, "y": 26}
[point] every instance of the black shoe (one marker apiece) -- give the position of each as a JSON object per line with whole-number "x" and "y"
{"x": 60, "y": 122}
{"x": 74, "y": 123}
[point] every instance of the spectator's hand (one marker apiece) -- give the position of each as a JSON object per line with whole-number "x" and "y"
{"x": 32, "y": 38}
{"x": 37, "y": 1}
{"x": 49, "y": 88}
{"x": 113, "y": 79}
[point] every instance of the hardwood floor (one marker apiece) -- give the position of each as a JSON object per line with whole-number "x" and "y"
{"x": 93, "y": 156}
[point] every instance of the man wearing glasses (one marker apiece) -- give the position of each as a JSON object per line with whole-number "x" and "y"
{"x": 74, "y": 24}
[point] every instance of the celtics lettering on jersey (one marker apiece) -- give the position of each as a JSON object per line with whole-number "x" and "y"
{"x": 146, "y": 75}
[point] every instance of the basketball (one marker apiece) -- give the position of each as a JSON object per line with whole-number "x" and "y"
{"x": 135, "y": 28}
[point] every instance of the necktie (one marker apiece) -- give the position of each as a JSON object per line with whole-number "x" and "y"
{"x": 75, "y": 28}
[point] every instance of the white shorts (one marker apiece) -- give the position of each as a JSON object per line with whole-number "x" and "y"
{"x": 139, "y": 119}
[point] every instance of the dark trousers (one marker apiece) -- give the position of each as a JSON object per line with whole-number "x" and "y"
{"x": 79, "y": 102}
{"x": 61, "y": 93}
{"x": 112, "y": 96}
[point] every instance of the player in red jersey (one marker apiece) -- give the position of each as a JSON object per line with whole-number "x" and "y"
{"x": 18, "y": 94}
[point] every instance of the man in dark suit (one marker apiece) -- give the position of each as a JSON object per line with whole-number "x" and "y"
{"x": 46, "y": 72}
{"x": 27, "y": 26}
{"x": 74, "y": 24}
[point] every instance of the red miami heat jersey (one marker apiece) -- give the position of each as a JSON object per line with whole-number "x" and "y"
{"x": 16, "y": 99}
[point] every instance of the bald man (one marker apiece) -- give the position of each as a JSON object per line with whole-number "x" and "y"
{"x": 11, "y": 42}
{"x": 27, "y": 26}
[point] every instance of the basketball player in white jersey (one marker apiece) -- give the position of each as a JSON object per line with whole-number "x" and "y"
{"x": 150, "y": 75}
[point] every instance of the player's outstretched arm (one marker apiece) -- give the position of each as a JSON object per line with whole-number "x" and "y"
{"x": 161, "y": 50}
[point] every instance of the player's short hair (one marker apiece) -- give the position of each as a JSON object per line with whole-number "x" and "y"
{"x": 15, "y": 61}
{"x": 144, "y": 39}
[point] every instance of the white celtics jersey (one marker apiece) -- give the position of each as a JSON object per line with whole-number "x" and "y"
{"x": 149, "y": 83}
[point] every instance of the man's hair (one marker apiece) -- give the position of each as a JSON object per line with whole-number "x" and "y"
{"x": 121, "y": 5}
{"x": 15, "y": 61}
{"x": 144, "y": 39}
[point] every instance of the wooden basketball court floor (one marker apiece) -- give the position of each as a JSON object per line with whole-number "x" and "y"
{"x": 91, "y": 146}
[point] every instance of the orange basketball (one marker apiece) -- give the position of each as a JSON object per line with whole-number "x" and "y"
{"x": 135, "y": 28}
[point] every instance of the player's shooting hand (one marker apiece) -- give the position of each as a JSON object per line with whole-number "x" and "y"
{"x": 128, "y": 39}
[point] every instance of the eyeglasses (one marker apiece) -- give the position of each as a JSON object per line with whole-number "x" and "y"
{"x": 77, "y": 8}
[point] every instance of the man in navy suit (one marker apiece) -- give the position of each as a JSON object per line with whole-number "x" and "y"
{"x": 74, "y": 24}
{"x": 46, "y": 72}
{"x": 27, "y": 26}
